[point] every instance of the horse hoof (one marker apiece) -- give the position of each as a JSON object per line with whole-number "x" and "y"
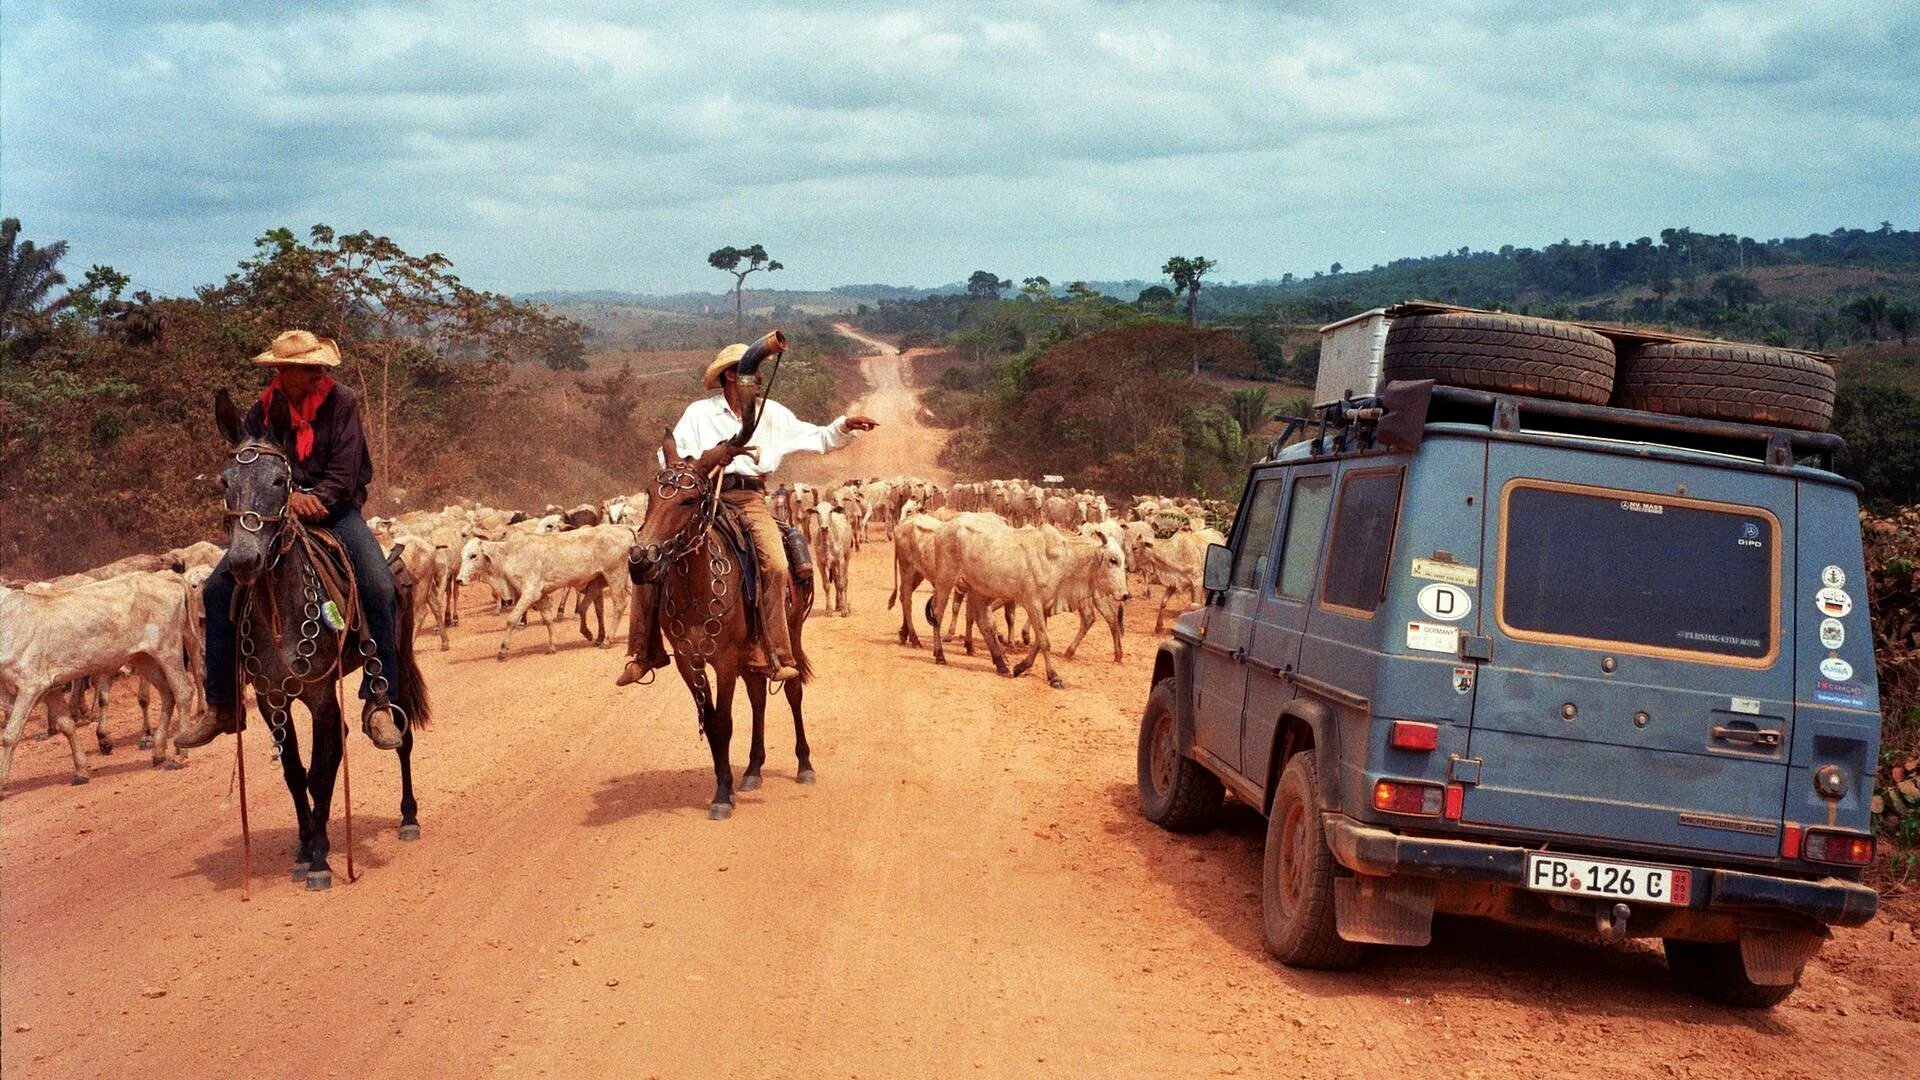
{"x": 174, "y": 765}
{"x": 409, "y": 832}
{"x": 146, "y": 743}
{"x": 300, "y": 871}
{"x": 319, "y": 880}
{"x": 78, "y": 779}
{"x": 1054, "y": 681}
{"x": 1021, "y": 669}
{"x": 719, "y": 811}
{"x": 806, "y": 776}
{"x": 750, "y": 782}
{"x": 1001, "y": 669}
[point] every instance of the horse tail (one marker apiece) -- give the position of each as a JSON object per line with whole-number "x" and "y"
{"x": 413, "y": 688}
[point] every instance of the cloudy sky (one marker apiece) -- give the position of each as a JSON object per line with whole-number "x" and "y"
{"x": 581, "y": 145}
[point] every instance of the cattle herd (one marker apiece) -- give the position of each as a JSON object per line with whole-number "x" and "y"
{"x": 998, "y": 548}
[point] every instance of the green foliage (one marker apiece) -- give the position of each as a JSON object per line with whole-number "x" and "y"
{"x": 1250, "y": 409}
{"x": 730, "y": 259}
{"x": 986, "y": 285}
{"x": 1881, "y": 426}
{"x": 1186, "y": 272}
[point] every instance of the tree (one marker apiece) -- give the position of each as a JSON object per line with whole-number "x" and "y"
{"x": 1186, "y": 274}
{"x": 1249, "y": 407}
{"x": 1036, "y": 288}
{"x": 1868, "y": 311}
{"x": 984, "y": 285}
{"x": 729, "y": 259}
{"x": 1737, "y": 291}
{"x": 1155, "y": 298}
{"x": 1900, "y": 319}
{"x": 1335, "y": 269}
{"x": 1881, "y": 426}
{"x": 28, "y": 276}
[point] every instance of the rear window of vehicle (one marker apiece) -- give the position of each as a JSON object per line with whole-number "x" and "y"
{"x": 1591, "y": 566}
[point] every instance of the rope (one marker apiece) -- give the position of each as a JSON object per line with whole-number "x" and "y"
{"x": 246, "y": 831}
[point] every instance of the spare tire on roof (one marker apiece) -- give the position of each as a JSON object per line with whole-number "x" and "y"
{"x": 1718, "y": 381}
{"x": 1509, "y": 354}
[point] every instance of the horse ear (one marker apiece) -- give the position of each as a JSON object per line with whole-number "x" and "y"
{"x": 280, "y": 420}
{"x": 669, "y": 450}
{"x": 226, "y": 415}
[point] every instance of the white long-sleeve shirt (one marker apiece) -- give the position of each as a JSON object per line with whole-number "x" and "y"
{"x": 710, "y": 421}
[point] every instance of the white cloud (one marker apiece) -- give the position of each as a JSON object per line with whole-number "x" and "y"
{"x": 916, "y": 142}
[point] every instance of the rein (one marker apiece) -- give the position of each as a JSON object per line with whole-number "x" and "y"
{"x": 288, "y": 532}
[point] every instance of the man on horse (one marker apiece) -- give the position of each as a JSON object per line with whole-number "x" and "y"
{"x": 331, "y": 471}
{"x": 706, "y": 428}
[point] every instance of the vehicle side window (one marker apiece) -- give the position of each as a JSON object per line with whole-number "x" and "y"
{"x": 1306, "y": 521}
{"x": 1362, "y": 541}
{"x": 1263, "y": 510}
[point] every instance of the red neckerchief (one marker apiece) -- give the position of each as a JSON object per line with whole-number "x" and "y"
{"x": 302, "y": 413}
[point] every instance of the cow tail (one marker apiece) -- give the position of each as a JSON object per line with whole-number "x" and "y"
{"x": 894, "y": 596}
{"x": 413, "y": 688}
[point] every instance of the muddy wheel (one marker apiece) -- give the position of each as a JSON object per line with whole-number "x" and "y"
{"x": 1502, "y": 353}
{"x": 1746, "y": 383}
{"x": 1715, "y": 971}
{"x": 1297, "y": 873}
{"x": 1175, "y": 792}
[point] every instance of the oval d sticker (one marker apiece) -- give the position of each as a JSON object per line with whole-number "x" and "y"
{"x": 1448, "y": 603}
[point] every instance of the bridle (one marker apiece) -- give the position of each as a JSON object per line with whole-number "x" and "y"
{"x": 252, "y": 520}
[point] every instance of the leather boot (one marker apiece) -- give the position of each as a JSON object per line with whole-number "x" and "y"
{"x": 643, "y": 637}
{"x": 382, "y": 724}
{"x": 773, "y": 627}
{"x": 220, "y": 718}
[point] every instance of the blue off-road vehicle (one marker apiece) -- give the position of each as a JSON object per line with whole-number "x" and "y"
{"x": 1553, "y": 624}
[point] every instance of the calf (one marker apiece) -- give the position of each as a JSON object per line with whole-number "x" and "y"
{"x": 48, "y": 639}
{"x": 1033, "y": 569}
{"x": 832, "y": 547}
{"x": 535, "y": 567}
{"x": 1176, "y": 562}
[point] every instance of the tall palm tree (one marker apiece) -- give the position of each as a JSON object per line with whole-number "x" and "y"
{"x": 28, "y": 274}
{"x": 1250, "y": 408}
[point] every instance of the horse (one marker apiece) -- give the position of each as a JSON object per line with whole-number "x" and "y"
{"x": 680, "y": 549}
{"x": 288, "y": 650}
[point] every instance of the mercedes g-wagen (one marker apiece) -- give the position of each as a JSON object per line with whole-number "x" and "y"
{"x": 1556, "y": 624}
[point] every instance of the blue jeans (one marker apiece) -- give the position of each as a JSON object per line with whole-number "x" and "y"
{"x": 378, "y": 599}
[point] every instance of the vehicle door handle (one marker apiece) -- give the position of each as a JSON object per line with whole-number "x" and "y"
{"x": 1764, "y": 737}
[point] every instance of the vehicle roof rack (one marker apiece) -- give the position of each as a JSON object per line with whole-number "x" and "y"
{"x": 1777, "y": 447}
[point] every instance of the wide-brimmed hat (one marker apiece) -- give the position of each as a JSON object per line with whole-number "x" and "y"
{"x": 300, "y": 347}
{"x": 722, "y": 360}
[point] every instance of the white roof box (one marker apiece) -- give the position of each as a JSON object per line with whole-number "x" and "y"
{"x": 1350, "y": 352}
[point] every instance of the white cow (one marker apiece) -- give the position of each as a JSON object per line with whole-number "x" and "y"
{"x": 534, "y": 567}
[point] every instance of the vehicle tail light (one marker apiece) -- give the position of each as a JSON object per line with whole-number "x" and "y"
{"x": 1414, "y": 735}
{"x": 1839, "y": 849}
{"x": 1790, "y": 841}
{"x": 1456, "y": 801}
{"x": 1398, "y": 797}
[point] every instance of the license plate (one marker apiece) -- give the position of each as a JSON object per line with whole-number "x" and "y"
{"x": 1612, "y": 880}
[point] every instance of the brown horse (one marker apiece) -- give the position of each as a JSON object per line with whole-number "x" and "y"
{"x": 682, "y": 552}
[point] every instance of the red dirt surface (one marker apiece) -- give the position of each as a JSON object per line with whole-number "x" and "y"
{"x": 969, "y": 890}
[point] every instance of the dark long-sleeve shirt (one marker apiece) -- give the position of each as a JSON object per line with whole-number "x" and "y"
{"x": 339, "y": 469}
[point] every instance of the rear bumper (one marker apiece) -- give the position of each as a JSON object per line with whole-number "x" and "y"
{"x": 1369, "y": 849}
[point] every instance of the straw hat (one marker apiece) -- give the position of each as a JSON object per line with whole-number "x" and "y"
{"x": 724, "y": 359}
{"x": 300, "y": 347}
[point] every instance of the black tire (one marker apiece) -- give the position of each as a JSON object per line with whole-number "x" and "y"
{"x": 1509, "y": 354}
{"x": 1747, "y": 383}
{"x": 1715, "y": 971}
{"x": 1176, "y": 793}
{"x": 1297, "y": 874}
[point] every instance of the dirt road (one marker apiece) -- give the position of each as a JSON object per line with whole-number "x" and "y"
{"x": 900, "y": 446}
{"x": 968, "y": 891}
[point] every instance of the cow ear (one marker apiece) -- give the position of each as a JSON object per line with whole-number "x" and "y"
{"x": 671, "y": 452}
{"x": 280, "y": 420}
{"x": 226, "y": 416}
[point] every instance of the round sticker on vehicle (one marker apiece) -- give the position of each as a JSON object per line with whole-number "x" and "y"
{"x": 1833, "y": 633}
{"x": 1833, "y": 578}
{"x": 1836, "y": 669}
{"x": 1833, "y": 602}
{"x": 1448, "y": 603}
